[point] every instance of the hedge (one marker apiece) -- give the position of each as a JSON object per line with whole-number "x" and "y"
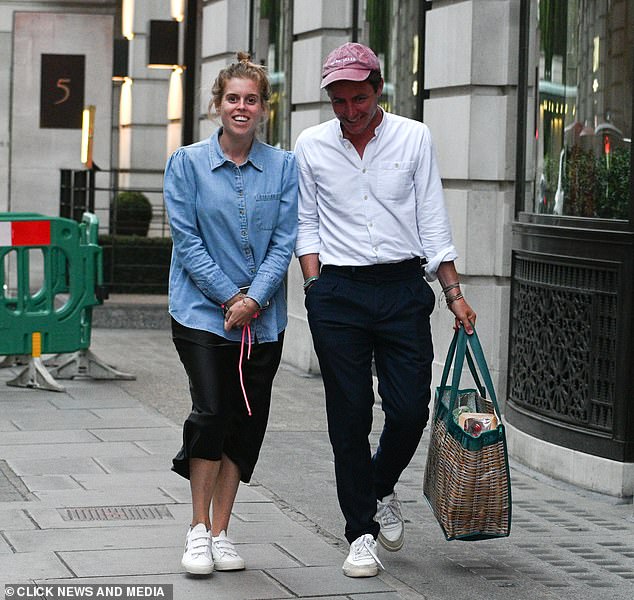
{"x": 135, "y": 265}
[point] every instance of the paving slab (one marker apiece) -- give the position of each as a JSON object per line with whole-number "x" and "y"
{"x": 60, "y": 466}
{"x": 138, "y": 535}
{"x": 264, "y": 556}
{"x": 312, "y": 552}
{"x": 140, "y": 464}
{"x": 164, "y": 436}
{"x": 9, "y": 426}
{"x": 24, "y": 404}
{"x": 313, "y": 581}
{"x": 15, "y": 438}
{"x": 40, "y": 483}
{"x": 82, "y": 419}
{"x": 83, "y": 498}
{"x": 4, "y": 546}
{"x": 27, "y": 566}
{"x": 161, "y": 560}
{"x": 85, "y": 398}
{"x": 169, "y": 446}
{"x": 14, "y": 518}
{"x": 176, "y": 491}
{"x": 240, "y": 585}
{"x": 54, "y": 452}
{"x": 377, "y": 596}
{"x": 104, "y": 482}
{"x": 132, "y": 413}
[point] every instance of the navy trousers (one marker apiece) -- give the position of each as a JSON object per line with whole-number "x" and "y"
{"x": 357, "y": 314}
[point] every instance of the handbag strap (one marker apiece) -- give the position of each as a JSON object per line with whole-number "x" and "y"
{"x": 472, "y": 368}
{"x": 474, "y": 374}
{"x": 449, "y": 360}
{"x": 460, "y": 351}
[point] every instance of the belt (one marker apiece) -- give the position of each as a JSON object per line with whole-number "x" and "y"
{"x": 386, "y": 271}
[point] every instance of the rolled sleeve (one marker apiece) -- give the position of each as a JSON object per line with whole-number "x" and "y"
{"x": 431, "y": 268}
{"x": 432, "y": 217}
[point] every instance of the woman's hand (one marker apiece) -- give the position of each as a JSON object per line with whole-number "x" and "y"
{"x": 240, "y": 311}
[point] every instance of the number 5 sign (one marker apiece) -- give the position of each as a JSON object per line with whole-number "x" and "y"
{"x": 62, "y": 91}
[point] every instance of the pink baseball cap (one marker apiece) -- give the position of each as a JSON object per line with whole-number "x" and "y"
{"x": 352, "y": 62}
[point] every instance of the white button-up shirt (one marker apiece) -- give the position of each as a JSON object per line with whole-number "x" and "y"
{"x": 383, "y": 208}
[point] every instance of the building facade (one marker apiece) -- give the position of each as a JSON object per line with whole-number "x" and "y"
{"x": 539, "y": 88}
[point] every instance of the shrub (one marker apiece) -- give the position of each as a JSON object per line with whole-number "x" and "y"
{"x": 132, "y": 213}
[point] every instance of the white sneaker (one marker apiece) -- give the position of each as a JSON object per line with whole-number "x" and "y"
{"x": 224, "y": 554}
{"x": 389, "y": 517}
{"x": 197, "y": 556}
{"x": 362, "y": 560}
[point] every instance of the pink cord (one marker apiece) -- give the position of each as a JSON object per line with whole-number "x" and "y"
{"x": 246, "y": 328}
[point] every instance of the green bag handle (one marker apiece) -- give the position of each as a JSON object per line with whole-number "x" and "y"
{"x": 456, "y": 355}
{"x": 472, "y": 369}
{"x": 474, "y": 374}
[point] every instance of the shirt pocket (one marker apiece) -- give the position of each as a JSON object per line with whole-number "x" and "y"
{"x": 395, "y": 179}
{"x": 267, "y": 207}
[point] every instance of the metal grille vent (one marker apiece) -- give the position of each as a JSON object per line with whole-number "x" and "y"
{"x": 563, "y": 342}
{"x": 116, "y": 513}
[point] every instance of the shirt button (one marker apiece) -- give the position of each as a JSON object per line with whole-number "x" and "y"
{"x": 375, "y": 249}
{"x": 243, "y": 233}
{"x": 363, "y": 170}
{"x": 396, "y": 165}
{"x": 365, "y": 197}
{"x": 370, "y": 224}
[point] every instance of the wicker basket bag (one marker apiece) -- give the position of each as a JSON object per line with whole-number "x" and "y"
{"x": 467, "y": 481}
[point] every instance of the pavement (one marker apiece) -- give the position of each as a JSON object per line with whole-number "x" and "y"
{"x": 87, "y": 497}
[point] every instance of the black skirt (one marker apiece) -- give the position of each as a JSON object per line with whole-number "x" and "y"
{"x": 219, "y": 422}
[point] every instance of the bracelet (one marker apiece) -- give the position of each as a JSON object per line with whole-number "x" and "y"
{"x": 451, "y": 299}
{"x": 245, "y": 298}
{"x": 309, "y": 281}
{"x": 309, "y": 286}
{"x": 451, "y": 286}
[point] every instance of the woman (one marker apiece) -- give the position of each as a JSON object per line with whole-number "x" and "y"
{"x": 232, "y": 206}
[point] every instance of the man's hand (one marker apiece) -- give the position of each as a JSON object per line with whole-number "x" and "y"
{"x": 465, "y": 315}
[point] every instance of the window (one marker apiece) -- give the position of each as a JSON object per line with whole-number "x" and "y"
{"x": 272, "y": 47}
{"x": 393, "y": 29}
{"x": 583, "y": 110}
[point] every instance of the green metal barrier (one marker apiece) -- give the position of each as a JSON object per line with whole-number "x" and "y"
{"x": 51, "y": 276}
{"x": 60, "y": 309}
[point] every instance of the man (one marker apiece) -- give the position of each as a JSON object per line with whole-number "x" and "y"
{"x": 371, "y": 211}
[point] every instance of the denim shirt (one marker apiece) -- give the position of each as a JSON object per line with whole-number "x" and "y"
{"x": 231, "y": 226}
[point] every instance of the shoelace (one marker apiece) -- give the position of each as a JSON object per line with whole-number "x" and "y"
{"x": 391, "y": 511}
{"x": 364, "y": 545}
